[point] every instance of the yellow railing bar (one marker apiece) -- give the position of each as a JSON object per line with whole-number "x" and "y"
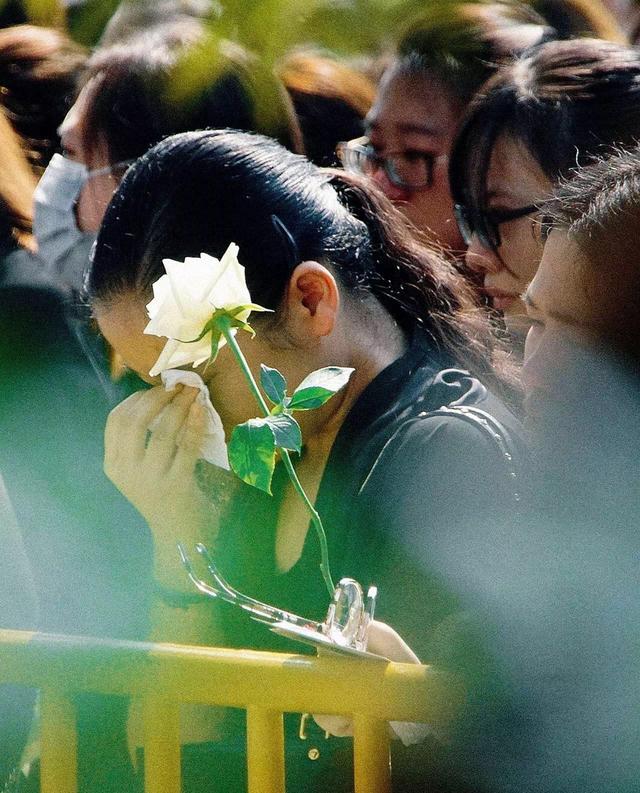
{"x": 161, "y": 746}
{"x": 265, "y": 684}
{"x": 233, "y": 678}
{"x": 371, "y": 761}
{"x": 58, "y": 760}
{"x": 265, "y": 751}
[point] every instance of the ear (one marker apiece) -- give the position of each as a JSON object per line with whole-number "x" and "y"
{"x": 313, "y": 300}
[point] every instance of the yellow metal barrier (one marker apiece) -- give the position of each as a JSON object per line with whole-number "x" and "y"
{"x": 265, "y": 684}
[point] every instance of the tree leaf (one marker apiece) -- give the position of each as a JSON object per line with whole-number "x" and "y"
{"x": 273, "y": 384}
{"x": 318, "y": 387}
{"x": 252, "y": 453}
{"x": 286, "y": 432}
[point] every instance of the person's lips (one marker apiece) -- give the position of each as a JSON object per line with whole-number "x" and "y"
{"x": 501, "y": 300}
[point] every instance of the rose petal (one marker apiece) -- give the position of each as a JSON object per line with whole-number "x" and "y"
{"x": 230, "y": 290}
{"x": 184, "y": 300}
{"x": 176, "y": 354}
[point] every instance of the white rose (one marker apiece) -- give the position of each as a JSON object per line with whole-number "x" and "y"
{"x": 186, "y": 297}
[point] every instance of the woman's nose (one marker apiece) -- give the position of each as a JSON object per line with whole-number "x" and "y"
{"x": 69, "y": 134}
{"x": 479, "y": 259}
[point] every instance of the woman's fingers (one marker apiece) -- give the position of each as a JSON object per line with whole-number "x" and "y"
{"x": 153, "y": 441}
{"x": 167, "y": 429}
{"x": 128, "y": 422}
{"x": 340, "y": 726}
{"x": 383, "y": 640}
{"x": 140, "y": 436}
{"x": 190, "y": 444}
{"x": 143, "y": 414}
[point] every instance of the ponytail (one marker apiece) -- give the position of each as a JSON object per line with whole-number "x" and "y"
{"x": 420, "y": 287}
{"x": 197, "y": 191}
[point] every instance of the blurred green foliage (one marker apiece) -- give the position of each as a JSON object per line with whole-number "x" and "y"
{"x": 86, "y": 22}
{"x": 269, "y": 29}
{"x": 266, "y": 27}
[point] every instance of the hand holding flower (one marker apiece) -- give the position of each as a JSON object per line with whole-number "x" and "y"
{"x": 199, "y": 305}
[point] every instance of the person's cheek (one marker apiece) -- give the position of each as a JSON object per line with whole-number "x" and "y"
{"x": 93, "y": 201}
{"x": 525, "y": 256}
{"x": 392, "y": 192}
{"x": 555, "y": 361}
{"x": 542, "y": 361}
{"x": 88, "y": 215}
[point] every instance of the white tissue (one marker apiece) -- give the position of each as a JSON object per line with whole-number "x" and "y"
{"x": 214, "y": 445}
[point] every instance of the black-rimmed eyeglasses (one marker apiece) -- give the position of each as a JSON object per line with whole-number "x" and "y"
{"x": 409, "y": 170}
{"x": 486, "y": 225}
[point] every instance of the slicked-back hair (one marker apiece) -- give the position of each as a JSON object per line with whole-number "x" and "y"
{"x": 197, "y": 192}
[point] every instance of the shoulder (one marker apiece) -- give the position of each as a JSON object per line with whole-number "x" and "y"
{"x": 439, "y": 469}
{"x": 444, "y": 441}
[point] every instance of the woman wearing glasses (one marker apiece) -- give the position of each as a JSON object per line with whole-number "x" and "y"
{"x": 535, "y": 121}
{"x": 440, "y": 63}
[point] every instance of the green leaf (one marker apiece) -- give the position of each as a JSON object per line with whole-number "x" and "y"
{"x": 309, "y": 398}
{"x": 333, "y": 378}
{"x": 273, "y": 384}
{"x": 318, "y": 387}
{"x": 252, "y": 453}
{"x": 235, "y": 322}
{"x": 286, "y": 432}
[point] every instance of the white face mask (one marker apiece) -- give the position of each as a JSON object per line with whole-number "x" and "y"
{"x": 62, "y": 247}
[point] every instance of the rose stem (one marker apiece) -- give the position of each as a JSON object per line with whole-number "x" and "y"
{"x": 293, "y": 476}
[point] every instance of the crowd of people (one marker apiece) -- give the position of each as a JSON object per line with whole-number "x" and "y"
{"x": 452, "y": 218}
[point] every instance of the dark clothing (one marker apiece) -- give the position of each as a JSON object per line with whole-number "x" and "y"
{"x": 397, "y": 484}
{"x": 393, "y": 478}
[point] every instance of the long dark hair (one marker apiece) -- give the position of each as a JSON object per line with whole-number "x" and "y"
{"x": 199, "y": 191}
{"x": 567, "y": 102}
